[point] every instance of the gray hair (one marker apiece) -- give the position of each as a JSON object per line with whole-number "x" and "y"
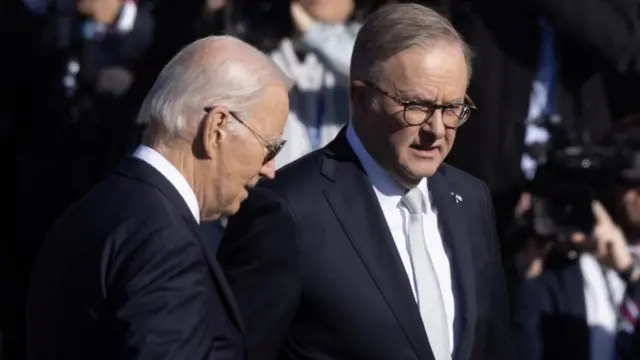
{"x": 393, "y": 29}
{"x": 213, "y": 71}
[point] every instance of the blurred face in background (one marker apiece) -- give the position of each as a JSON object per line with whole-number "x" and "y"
{"x": 329, "y": 11}
{"x": 419, "y": 77}
{"x": 213, "y": 5}
{"x": 102, "y": 11}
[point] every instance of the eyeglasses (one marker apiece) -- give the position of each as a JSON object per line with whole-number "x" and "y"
{"x": 417, "y": 112}
{"x": 272, "y": 149}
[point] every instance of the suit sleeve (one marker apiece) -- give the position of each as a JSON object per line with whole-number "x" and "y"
{"x": 611, "y": 29}
{"x": 163, "y": 296}
{"x": 499, "y": 345}
{"x": 259, "y": 255}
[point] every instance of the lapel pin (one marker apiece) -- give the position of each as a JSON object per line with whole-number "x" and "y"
{"x": 457, "y": 197}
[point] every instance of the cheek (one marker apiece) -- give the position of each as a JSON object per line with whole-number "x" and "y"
{"x": 449, "y": 138}
{"x": 404, "y": 137}
{"x": 238, "y": 172}
{"x": 251, "y": 167}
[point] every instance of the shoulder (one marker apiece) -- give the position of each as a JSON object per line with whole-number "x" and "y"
{"x": 278, "y": 203}
{"x": 120, "y": 211}
{"x": 474, "y": 195}
{"x": 298, "y": 179}
{"x": 467, "y": 184}
{"x": 461, "y": 177}
{"x": 151, "y": 249}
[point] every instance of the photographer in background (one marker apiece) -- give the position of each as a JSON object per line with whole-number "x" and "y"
{"x": 576, "y": 295}
{"x": 564, "y": 49}
{"x": 316, "y": 55}
{"x": 311, "y": 41}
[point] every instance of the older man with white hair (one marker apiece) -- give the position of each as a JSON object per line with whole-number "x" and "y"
{"x": 124, "y": 274}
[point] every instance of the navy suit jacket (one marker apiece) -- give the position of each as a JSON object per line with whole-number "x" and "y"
{"x": 124, "y": 274}
{"x": 549, "y": 314}
{"x": 317, "y": 275}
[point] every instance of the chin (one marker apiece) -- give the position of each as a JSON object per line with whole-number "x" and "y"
{"x": 423, "y": 169}
{"x": 419, "y": 175}
{"x": 234, "y": 207}
{"x": 230, "y": 210}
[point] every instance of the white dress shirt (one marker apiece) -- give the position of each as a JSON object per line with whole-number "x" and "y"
{"x": 389, "y": 194}
{"x": 172, "y": 174}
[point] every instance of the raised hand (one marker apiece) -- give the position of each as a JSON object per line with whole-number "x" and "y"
{"x": 611, "y": 244}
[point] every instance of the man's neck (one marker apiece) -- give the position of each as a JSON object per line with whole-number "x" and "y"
{"x": 183, "y": 163}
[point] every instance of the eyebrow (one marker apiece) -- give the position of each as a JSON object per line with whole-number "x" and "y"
{"x": 412, "y": 97}
{"x": 407, "y": 95}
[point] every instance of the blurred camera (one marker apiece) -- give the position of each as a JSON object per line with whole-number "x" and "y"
{"x": 564, "y": 188}
{"x": 575, "y": 172}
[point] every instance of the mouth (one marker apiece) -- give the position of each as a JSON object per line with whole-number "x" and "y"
{"x": 429, "y": 152}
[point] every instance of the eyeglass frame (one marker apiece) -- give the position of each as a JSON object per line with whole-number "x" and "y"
{"x": 272, "y": 149}
{"x": 430, "y": 104}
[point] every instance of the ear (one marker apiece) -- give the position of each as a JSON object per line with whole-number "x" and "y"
{"x": 215, "y": 127}
{"x": 358, "y": 94}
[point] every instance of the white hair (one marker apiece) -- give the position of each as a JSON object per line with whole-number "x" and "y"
{"x": 396, "y": 28}
{"x": 213, "y": 71}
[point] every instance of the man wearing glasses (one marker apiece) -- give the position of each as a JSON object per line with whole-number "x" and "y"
{"x": 372, "y": 248}
{"x": 124, "y": 273}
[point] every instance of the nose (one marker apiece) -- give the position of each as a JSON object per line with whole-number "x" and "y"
{"x": 268, "y": 170}
{"x": 435, "y": 124}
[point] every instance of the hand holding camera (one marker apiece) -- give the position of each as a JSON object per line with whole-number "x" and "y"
{"x": 607, "y": 243}
{"x": 610, "y": 244}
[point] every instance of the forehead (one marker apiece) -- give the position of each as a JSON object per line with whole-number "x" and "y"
{"x": 270, "y": 111}
{"x": 438, "y": 72}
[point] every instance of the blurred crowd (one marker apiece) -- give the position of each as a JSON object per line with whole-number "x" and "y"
{"x": 555, "y": 83}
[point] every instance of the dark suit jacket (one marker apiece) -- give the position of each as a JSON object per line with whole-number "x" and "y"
{"x": 317, "y": 275}
{"x": 549, "y": 314}
{"x": 124, "y": 275}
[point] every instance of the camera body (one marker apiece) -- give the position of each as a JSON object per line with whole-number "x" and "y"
{"x": 574, "y": 172}
{"x": 564, "y": 188}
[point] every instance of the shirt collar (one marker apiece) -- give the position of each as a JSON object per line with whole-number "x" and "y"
{"x": 155, "y": 159}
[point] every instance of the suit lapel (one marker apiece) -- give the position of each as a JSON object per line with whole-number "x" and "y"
{"x": 136, "y": 168}
{"x": 358, "y": 211}
{"x": 228, "y": 297}
{"x": 452, "y": 217}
